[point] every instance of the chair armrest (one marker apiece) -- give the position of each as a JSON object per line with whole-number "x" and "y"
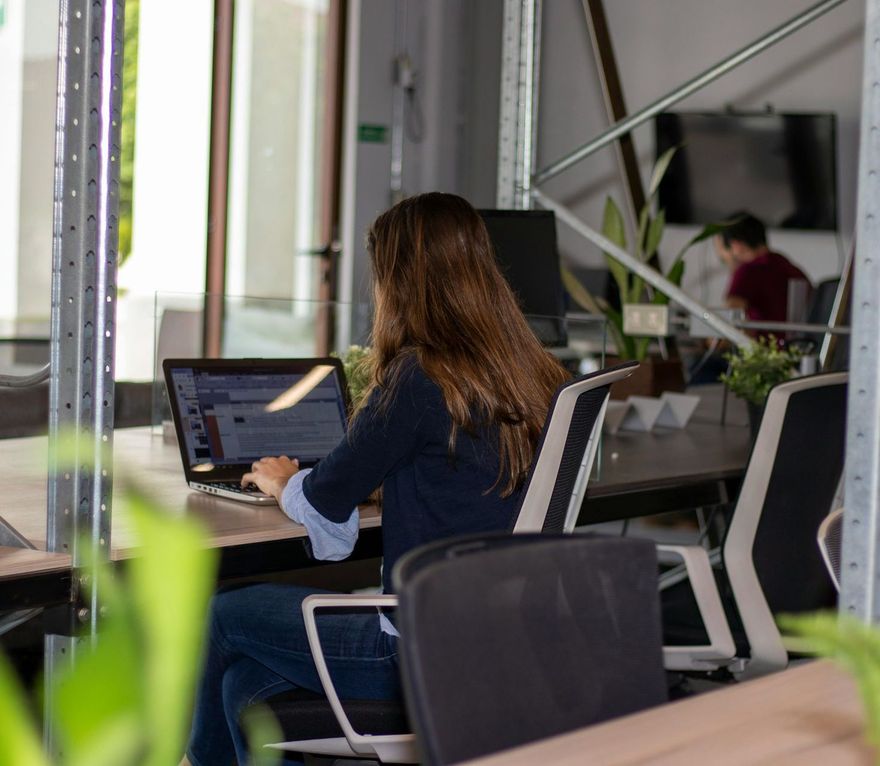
{"x": 357, "y": 742}
{"x": 721, "y": 646}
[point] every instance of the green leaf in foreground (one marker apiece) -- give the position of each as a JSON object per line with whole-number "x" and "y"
{"x": 262, "y": 728}
{"x": 171, "y": 580}
{"x": 850, "y": 643}
{"x": 19, "y": 741}
{"x": 127, "y": 699}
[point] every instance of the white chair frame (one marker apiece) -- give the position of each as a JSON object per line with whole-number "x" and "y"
{"x": 767, "y": 652}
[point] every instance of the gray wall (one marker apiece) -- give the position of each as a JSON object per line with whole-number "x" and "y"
{"x": 660, "y": 45}
{"x": 456, "y": 46}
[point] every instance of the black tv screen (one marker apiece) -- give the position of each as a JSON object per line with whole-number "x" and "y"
{"x": 780, "y": 167}
{"x": 525, "y": 246}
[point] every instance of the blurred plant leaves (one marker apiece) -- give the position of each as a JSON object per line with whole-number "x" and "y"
{"x": 261, "y": 727}
{"x": 614, "y": 229}
{"x": 849, "y": 642}
{"x": 660, "y": 168}
{"x": 19, "y": 741}
{"x": 655, "y": 234}
{"x": 171, "y": 582}
{"x": 127, "y": 697}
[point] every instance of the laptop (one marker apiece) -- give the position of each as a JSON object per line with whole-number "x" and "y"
{"x": 229, "y": 413}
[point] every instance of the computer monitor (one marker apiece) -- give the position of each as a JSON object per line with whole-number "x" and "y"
{"x": 525, "y": 245}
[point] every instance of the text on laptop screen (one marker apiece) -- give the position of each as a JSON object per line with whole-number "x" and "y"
{"x": 233, "y": 418}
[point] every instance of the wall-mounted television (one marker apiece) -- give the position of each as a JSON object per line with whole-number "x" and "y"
{"x": 780, "y": 167}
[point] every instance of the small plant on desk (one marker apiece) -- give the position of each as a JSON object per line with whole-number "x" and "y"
{"x": 756, "y": 368}
{"x": 357, "y": 363}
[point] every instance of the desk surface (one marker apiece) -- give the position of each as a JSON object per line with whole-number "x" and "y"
{"x": 634, "y": 467}
{"x": 806, "y": 715}
{"x": 669, "y": 469}
{"x": 143, "y": 456}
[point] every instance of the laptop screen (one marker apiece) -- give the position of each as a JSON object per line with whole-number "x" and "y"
{"x": 230, "y": 413}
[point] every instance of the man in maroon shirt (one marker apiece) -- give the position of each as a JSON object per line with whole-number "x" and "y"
{"x": 760, "y": 277}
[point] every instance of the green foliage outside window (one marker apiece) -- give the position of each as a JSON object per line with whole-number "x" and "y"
{"x": 129, "y": 102}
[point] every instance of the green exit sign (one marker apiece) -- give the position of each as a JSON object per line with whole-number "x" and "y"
{"x": 2, "y": 13}
{"x": 372, "y": 134}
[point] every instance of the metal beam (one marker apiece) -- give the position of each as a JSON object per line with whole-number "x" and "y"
{"x": 520, "y": 60}
{"x": 650, "y": 275}
{"x": 615, "y": 105}
{"x": 838, "y": 312}
{"x": 691, "y": 86}
{"x": 84, "y": 258}
{"x": 860, "y": 586}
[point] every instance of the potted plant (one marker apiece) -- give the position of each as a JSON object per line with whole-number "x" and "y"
{"x": 655, "y": 375}
{"x": 754, "y": 369}
{"x": 356, "y": 361}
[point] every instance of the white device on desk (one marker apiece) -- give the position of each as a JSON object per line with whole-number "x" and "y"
{"x": 229, "y": 413}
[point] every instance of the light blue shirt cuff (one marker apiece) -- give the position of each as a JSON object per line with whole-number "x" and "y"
{"x": 330, "y": 541}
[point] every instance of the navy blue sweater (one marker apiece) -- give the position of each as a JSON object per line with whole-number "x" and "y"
{"x": 428, "y": 493}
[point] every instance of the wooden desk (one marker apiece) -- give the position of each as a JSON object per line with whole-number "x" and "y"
{"x": 143, "y": 457}
{"x": 640, "y": 474}
{"x": 253, "y": 539}
{"x": 806, "y": 715}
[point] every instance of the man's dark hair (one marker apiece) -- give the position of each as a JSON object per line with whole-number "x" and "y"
{"x": 745, "y": 228}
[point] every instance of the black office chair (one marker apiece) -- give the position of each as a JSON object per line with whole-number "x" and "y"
{"x": 507, "y": 640}
{"x": 551, "y": 501}
{"x": 769, "y": 561}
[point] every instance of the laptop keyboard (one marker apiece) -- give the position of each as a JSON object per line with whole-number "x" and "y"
{"x": 234, "y": 486}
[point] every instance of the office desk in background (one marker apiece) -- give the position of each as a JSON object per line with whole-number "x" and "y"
{"x": 640, "y": 474}
{"x": 808, "y": 714}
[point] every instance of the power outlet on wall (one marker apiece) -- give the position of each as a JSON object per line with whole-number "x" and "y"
{"x": 645, "y": 319}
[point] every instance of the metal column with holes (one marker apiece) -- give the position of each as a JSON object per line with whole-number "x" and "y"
{"x": 84, "y": 258}
{"x": 520, "y": 56}
{"x": 860, "y": 591}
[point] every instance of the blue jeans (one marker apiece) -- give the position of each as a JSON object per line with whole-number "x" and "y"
{"x": 257, "y": 647}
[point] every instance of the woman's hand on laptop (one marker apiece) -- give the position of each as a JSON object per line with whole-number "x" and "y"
{"x": 271, "y": 475}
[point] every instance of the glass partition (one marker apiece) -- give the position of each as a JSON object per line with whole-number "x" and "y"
{"x": 278, "y": 328}
{"x": 253, "y": 327}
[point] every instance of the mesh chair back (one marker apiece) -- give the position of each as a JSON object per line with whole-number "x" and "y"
{"x": 803, "y": 482}
{"x": 563, "y": 461}
{"x": 830, "y": 539}
{"x": 770, "y": 554}
{"x": 513, "y": 638}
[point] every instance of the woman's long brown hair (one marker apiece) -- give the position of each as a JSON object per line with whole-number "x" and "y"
{"x": 440, "y": 295}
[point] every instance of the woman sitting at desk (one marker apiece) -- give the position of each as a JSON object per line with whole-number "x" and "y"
{"x": 460, "y": 390}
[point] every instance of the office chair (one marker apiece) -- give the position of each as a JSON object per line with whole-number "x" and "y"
{"x": 830, "y": 539}
{"x": 551, "y": 500}
{"x": 510, "y": 639}
{"x": 723, "y": 618}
